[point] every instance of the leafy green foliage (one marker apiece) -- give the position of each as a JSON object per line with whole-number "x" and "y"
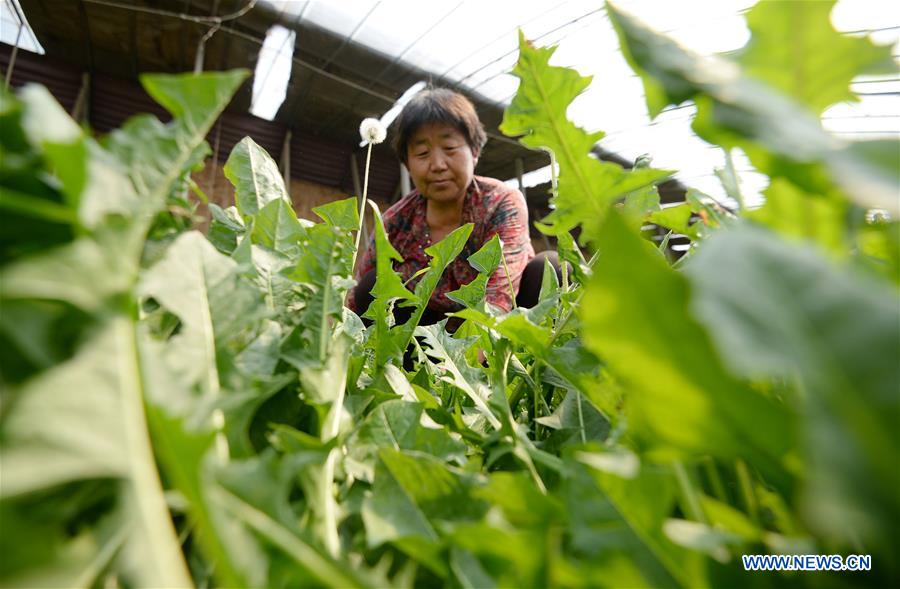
{"x": 257, "y": 181}
{"x": 780, "y": 135}
{"x": 184, "y": 409}
{"x": 794, "y": 49}
{"x": 538, "y": 112}
{"x": 847, "y": 325}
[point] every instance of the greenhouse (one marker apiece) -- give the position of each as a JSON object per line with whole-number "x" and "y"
{"x": 298, "y": 293}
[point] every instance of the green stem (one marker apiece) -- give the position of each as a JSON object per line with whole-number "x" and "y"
{"x": 163, "y": 548}
{"x": 692, "y": 506}
{"x": 327, "y": 503}
{"x": 325, "y": 570}
{"x": 328, "y": 506}
{"x": 536, "y": 410}
{"x": 557, "y": 331}
{"x": 538, "y": 481}
{"x": 512, "y": 291}
{"x": 715, "y": 481}
{"x": 747, "y": 493}
{"x": 580, "y": 400}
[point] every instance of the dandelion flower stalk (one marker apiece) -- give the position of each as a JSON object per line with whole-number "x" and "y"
{"x": 372, "y": 132}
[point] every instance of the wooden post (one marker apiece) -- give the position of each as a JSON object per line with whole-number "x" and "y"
{"x": 81, "y": 108}
{"x": 520, "y": 175}
{"x": 286, "y": 161}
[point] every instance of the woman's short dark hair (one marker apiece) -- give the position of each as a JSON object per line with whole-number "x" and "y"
{"x": 438, "y": 105}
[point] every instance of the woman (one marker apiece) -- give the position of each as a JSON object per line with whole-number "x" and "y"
{"x": 439, "y": 137}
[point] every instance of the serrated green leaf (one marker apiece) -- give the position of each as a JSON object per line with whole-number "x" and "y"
{"x": 267, "y": 268}
{"x": 390, "y": 513}
{"x": 578, "y": 420}
{"x": 439, "y": 493}
{"x": 214, "y": 304}
{"x": 387, "y": 289}
{"x": 84, "y": 273}
{"x": 156, "y": 156}
{"x": 488, "y": 257}
{"x": 549, "y": 283}
{"x": 340, "y": 214}
{"x": 255, "y": 176}
{"x": 779, "y": 309}
{"x": 450, "y": 354}
{"x": 587, "y": 186}
{"x": 402, "y": 425}
{"x": 793, "y": 47}
{"x": 676, "y": 218}
{"x": 635, "y": 316}
{"x": 640, "y": 204}
{"x": 781, "y": 136}
{"x": 569, "y": 252}
{"x": 442, "y": 255}
{"x": 225, "y": 228}
{"x": 276, "y": 227}
{"x": 52, "y": 437}
{"x": 324, "y": 272}
{"x": 625, "y": 515}
{"x": 486, "y": 260}
{"x": 468, "y": 571}
{"x": 194, "y": 99}
{"x": 795, "y": 214}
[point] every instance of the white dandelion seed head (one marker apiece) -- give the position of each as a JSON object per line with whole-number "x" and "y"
{"x": 372, "y": 131}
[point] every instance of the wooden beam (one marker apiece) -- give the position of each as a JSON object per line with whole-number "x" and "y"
{"x": 520, "y": 173}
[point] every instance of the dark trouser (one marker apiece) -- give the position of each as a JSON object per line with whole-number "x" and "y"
{"x": 527, "y": 297}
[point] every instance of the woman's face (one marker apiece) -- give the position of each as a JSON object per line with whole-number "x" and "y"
{"x": 440, "y": 162}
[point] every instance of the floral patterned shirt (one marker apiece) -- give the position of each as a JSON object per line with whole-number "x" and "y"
{"x": 494, "y": 208}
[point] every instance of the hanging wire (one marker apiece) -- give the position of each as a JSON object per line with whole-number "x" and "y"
{"x": 210, "y": 20}
{"x": 550, "y": 32}
{"x": 397, "y": 58}
{"x": 216, "y": 22}
{"x": 508, "y": 32}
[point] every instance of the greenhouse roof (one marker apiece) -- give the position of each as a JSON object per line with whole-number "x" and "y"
{"x": 323, "y": 66}
{"x": 474, "y": 45}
